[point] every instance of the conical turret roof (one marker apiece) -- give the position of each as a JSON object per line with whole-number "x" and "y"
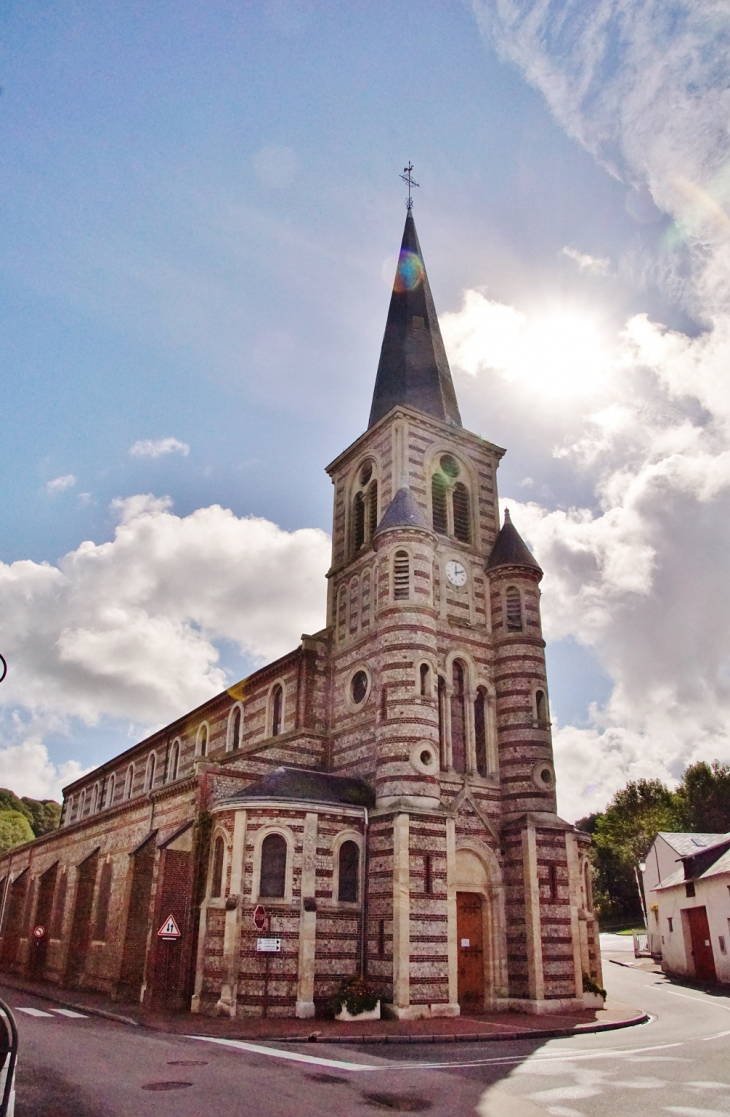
{"x": 403, "y": 511}
{"x": 413, "y": 368}
{"x": 510, "y": 549}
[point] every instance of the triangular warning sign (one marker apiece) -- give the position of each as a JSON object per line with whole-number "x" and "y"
{"x": 169, "y": 929}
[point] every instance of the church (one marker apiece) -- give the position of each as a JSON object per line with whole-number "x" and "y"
{"x": 381, "y": 800}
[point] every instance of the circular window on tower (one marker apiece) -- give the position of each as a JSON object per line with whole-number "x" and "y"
{"x": 449, "y": 465}
{"x": 543, "y": 775}
{"x": 425, "y": 758}
{"x": 358, "y": 688}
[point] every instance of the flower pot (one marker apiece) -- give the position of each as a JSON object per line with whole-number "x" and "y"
{"x": 593, "y": 1000}
{"x": 373, "y": 1014}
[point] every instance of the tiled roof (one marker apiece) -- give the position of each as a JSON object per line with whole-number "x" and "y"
{"x": 688, "y": 844}
{"x": 403, "y": 511}
{"x": 305, "y": 783}
{"x": 510, "y": 549}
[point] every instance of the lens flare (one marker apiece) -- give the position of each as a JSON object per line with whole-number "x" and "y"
{"x": 410, "y": 272}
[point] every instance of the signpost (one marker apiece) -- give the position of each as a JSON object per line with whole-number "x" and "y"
{"x": 169, "y": 929}
{"x": 259, "y": 917}
{"x": 266, "y": 946}
{"x": 39, "y": 932}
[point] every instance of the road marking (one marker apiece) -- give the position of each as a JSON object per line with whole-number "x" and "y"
{"x": 35, "y": 1012}
{"x": 719, "y": 1035}
{"x": 72, "y": 1015}
{"x": 697, "y": 1000}
{"x": 293, "y": 1056}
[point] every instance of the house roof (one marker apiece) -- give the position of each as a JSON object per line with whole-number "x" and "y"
{"x": 413, "y": 369}
{"x": 306, "y": 783}
{"x": 685, "y": 845}
{"x": 704, "y": 860}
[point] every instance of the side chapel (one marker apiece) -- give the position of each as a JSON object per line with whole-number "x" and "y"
{"x": 385, "y": 791}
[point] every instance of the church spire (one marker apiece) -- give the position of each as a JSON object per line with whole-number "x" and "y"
{"x": 413, "y": 368}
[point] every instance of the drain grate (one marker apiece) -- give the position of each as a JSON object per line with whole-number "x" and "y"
{"x": 405, "y": 1103}
{"x": 166, "y": 1085}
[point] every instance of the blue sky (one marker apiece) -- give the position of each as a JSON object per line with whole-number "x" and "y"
{"x": 201, "y": 212}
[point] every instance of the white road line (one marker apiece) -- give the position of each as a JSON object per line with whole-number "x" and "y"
{"x": 72, "y": 1015}
{"x": 719, "y": 1035}
{"x": 293, "y": 1056}
{"x": 35, "y": 1012}
{"x": 698, "y": 1000}
{"x": 338, "y": 1064}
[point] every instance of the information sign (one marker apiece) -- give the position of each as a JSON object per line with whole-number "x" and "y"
{"x": 268, "y": 946}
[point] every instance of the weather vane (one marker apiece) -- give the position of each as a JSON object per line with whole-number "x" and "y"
{"x": 408, "y": 178}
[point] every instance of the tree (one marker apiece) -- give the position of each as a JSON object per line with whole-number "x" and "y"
{"x": 42, "y": 814}
{"x": 14, "y": 830}
{"x": 703, "y": 798}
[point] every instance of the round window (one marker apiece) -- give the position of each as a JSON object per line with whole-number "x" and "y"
{"x": 544, "y": 776}
{"x": 449, "y": 465}
{"x": 359, "y": 687}
{"x": 426, "y": 758}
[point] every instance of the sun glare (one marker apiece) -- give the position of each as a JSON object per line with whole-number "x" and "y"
{"x": 560, "y": 354}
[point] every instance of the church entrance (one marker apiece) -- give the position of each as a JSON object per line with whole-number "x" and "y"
{"x": 470, "y": 943}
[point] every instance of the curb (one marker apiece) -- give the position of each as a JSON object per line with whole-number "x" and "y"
{"x": 463, "y": 1037}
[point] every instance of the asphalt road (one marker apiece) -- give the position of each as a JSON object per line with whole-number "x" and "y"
{"x": 677, "y": 1064}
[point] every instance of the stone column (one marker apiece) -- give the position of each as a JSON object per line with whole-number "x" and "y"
{"x": 401, "y": 917}
{"x": 453, "y": 947}
{"x": 536, "y": 979}
{"x": 226, "y": 1004}
{"x": 307, "y": 920}
{"x": 581, "y": 963}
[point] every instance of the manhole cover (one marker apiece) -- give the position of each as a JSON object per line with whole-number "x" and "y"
{"x": 402, "y": 1102}
{"x": 187, "y": 1063}
{"x": 166, "y": 1085}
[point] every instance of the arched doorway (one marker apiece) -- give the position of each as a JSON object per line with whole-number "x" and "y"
{"x": 480, "y": 947}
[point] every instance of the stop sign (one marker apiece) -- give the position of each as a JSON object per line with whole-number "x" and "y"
{"x": 259, "y": 917}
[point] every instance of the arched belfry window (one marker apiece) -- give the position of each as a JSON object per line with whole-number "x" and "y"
{"x": 277, "y": 709}
{"x": 150, "y": 773}
{"x": 401, "y": 576}
{"x": 272, "y": 878}
{"x": 450, "y": 500}
{"x": 216, "y": 885}
{"x": 458, "y": 717}
{"x": 236, "y": 728}
{"x": 174, "y": 760}
{"x": 203, "y": 740}
{"x": 364, "y": 508}
{"x": 513, "y": 609}
{"x": 349, "y": 872}
{"x": 130, "y": 782}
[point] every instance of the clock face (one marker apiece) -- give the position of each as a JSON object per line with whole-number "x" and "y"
{"x": 456, "y": 573}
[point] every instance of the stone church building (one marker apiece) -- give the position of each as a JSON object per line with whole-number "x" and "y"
{"x": 384, "y": 794}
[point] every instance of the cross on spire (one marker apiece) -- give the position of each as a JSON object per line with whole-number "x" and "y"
{"x": 408, "y": 178}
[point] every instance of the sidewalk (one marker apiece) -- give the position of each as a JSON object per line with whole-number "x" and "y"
{"x": 492, "y": 1026}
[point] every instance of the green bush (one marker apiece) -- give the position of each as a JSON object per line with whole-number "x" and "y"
{"x": 14, "y": 830}
{"x": 590, "y": 986}
{"x": 357, "y": 995}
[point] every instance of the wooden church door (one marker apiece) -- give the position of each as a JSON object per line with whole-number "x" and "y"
{"x": 470, "y": 935}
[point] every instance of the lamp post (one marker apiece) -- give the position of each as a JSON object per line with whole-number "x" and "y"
{"x": 641, "y": 868}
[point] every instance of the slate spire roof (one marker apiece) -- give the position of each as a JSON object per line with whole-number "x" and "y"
{"x": 403, "y": 511}
{"x": 413, "y": 368}
{"x": 510, "y": 549}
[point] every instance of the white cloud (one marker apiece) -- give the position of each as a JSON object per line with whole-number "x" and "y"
{"x": 28, "y": 770}
{"x": 594, "y": 265}
{"x": 156, "y": 448}
{"x": 640, "y": 575}
{"x": 129, "y": 628}
{"x": 60, "y": 484}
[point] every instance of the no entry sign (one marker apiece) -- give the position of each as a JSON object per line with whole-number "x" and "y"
{"x": 259, "y": 917}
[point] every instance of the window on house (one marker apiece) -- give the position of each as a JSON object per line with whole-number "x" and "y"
{"x": 721, "y": 940}
{"x": 236, "y": 729}
{"x": 273, "y": 867}
{"x": 149, "y": 780}
{"x": 401, "y": 576}
{"x": 277, "y": 709}
{"x": 216, "y": 880}
{"x": 480, "y": 731}
{"x": 174, "y": 760}
{"x": 424, "y": 672}
{"x": 460, "y": 500}
{"x": 689, "y": 888}
{"x": 439, "y": 512}
{"x": 349, "y": 871}
{"x": 669, "y": 921}
{"x": 458, "y": 718}
{"x": 130, "y": 782}
{"x": 513, "y": 609}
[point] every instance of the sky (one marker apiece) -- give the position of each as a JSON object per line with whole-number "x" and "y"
{"x": 201, "y": 214}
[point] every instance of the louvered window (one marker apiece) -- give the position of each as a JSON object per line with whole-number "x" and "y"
{"x": 401, "y": 576}
{"x": 273, "y": 867}
{"x": 458, "y": 719}
{"x": 373, "y": 508}
{"x": 438, "y": 505}
{"x": 462, "y": 529}
{"x": 480, "y": 731}
{"x": 349, "y": 871}
{"x": 513, "y": 604}
{"x": 358, "y": 523}
{"x": 216, "y": 887}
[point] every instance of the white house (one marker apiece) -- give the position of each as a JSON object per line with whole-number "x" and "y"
{"x": 689, "y": 908}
